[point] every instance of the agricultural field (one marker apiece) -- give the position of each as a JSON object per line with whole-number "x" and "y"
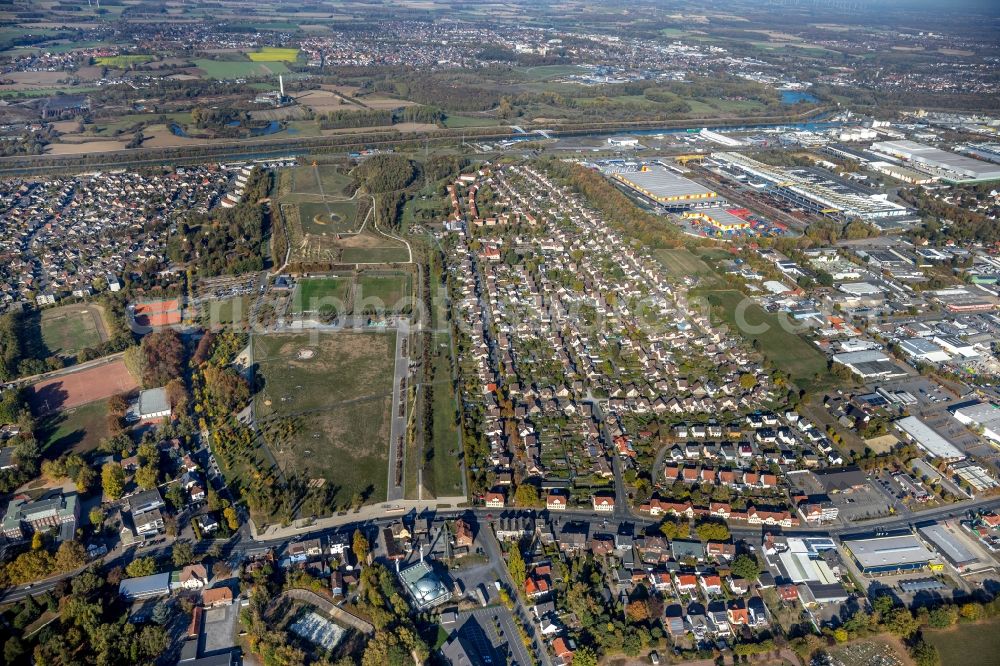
{"x": 239, "y": 69}
{"x": 786, "y": 350}
{"x": 123, "y": 61}
{"x": 68, "y": 329}
{"x": 324, "y": 407}
{"x": 273, "y": 54}
{"x": 967, "y": 644}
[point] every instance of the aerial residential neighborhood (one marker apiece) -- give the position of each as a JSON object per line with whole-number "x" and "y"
{"x": 478, "y": 334}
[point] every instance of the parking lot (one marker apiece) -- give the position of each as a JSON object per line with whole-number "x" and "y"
{"x": 220, "y": 627}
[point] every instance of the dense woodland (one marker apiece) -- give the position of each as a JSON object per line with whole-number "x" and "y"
{"x": 227, "y": 240}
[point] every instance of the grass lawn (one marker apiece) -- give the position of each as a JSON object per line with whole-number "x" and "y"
{"x": 543, "y": 72}
{"x": 312, "y": 293}
{"x": 67, "y": 330}
{"x": 391, "y": 290}
{"x": 331, "y": 217}
{"x": 337, "y": 390}
{"x": 443, "y": 473}
{"x": 229, "y": 312}
{"x": 78, "y": 429}
{"x": 470, "y": 121}
{"x": 239, "y": 69}
{"x": 274, "y": 54}
{"x": 331, "y": 182}
{"x": 680, "y": 262}
{"x": 373, "y": 255}
{"x": 786, "y": 350}
{"x": 967, "y": 644}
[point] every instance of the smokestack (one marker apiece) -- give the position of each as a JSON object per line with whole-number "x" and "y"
{"x": 281, "y": 85}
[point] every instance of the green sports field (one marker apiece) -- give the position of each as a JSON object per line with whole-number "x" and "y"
{"x": 391, "y": 290}
{"x": 68, "y": 329}
{"x": 312, "y": 293}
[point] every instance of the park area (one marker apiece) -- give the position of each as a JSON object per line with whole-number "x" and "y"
{"x": 68, "y": 329}
{"x": 324, "y": 407}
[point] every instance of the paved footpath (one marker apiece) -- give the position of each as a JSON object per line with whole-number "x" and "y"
{"x": 366, "y": 513}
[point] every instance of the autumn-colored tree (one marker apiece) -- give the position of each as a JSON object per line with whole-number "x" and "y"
{"x": 113, "y": 480}
{"x": 232, "y": 518}
{"x": 637, "y": 611}
{"x": 70, "y": 555}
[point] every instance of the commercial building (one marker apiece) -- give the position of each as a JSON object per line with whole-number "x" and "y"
{"x": 980, "y": 415}
{"x": 949, "y": 167}
{"x": 719, "y": 219}
{"x": 870, "y": 364}
{"x": 813, "y": 194}
{"x": 666, "y": 188}
{"x": 920, "y": 349}
{"x": 949, "y": 544}
{"x": 928, "y": 439}
{"x": 23, "y": 516}
{"x": 623, "y": 142}
{"x": 888, "y": 554}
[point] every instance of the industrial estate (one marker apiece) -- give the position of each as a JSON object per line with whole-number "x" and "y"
{"x": 477, "y": 333}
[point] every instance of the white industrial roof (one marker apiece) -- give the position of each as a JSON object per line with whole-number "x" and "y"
{"x": 928, "y": 439}
{"x": 889, "y": 551}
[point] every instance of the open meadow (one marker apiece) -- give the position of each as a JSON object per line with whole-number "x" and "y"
{"x": 785, "y": 349}
{"x": 324, "y": 407}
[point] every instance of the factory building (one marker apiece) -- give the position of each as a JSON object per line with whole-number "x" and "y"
{"x": 889, "y": 554}
{"x": 950, "y": 167}
{"x": 826, "y": 198}
{"x": 980, "y": 415}
{"x": 949, "y": 543}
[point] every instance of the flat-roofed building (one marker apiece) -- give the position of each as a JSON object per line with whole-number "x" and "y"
{"x": 144, "y": 587}
{"x": 928, "y": 439}
{"x": 950, "y": 544}
{"x": 666, "y": 188}
{"x": 950, "y": 167}
{"x": 980, "y": 415}
{"x": 888, "y": 554}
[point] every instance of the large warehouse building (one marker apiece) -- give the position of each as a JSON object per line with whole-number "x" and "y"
{"x": 928, "y": 439}
{"x": 666, "y": 188}
{"x": 950, "y": 167}
{"x": 889, "y": 554}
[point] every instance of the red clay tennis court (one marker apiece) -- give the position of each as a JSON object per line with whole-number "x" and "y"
{"x": 158, "y": 313}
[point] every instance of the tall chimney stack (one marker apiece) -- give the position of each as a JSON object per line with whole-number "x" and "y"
{"x": 281, "y": 85}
